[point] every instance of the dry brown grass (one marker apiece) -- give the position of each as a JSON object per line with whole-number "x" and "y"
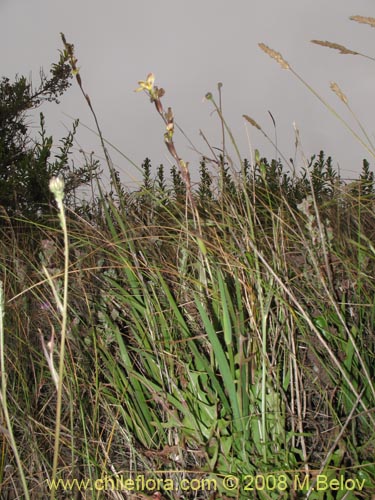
{"x": 251, "y": 121}
{"x": 340, "y": 94}
{"x": 336, "y": 46}
{"x": 275, "y": 55}
{"x": 364, "y": 20}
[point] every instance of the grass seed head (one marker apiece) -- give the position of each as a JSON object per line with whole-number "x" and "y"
{"x": 340, "y": 94}
{"x": 364, "y": 20}
{"x": 336, "y": 46}
{"x": 275, "y": 55}
{"x": 251, "y": 121}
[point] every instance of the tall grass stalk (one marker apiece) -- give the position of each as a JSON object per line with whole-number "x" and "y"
{"x": 277, "y": 56}
{"x": 210, "y": 97}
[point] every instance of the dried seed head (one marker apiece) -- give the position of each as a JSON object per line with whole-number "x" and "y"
{"x": 336, "y": 46}
{"x": 340, "y": 94}
{"x": 160, "y": 92}
{"x": 275, "y": 55}
{"x": 364, "y": 20}
{"x": 169, "y": 115}
{"x": 251, "y": 121}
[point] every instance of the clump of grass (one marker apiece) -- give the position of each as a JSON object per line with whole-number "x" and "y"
{"x": 187, "y": 364}
{"x": 226, "y": 329}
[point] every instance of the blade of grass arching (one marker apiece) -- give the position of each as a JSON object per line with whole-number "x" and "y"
{"x": 233, "y": 309}
{"x": 136, "y": 410}
{"x": 119, "y": 218}
{"x": 139, "y": 399}
{"x": 177, "y": 405}
{"x": 265, "y": 368}
{"x": 190, "y": 407}
{"x": 225, "y": 303}
{"x": 86, "y": 458}
{"x": 203, "y": 402}
{"x": 159, "y": 319}
{"x": 170, "y": 401}
{"x": 95, "y": 132}
{"x": 201, "y": 363}
{"x": 351, "y": 345}
{"x": 112, "y": 213}
{"x": 243, "y": 377}
{"x": 309, "y": 322}
{"x": 223, "y": 365}
{"x": 128, "y": 415}
{"x": 346, "y": 347}
{"x": 145, "y": 326}
{"x": 336, "y": 442}
{"x": 237, "y": 310}
{"x": 159, "y": 367}
{"x": 106, "y": 204}
{"x": 150, "y": 327}
{"x": 134, "y": 298}
{"x": 233, "y": 321}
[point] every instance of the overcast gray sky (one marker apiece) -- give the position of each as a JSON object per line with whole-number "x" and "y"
{"x": 191, "y": 45}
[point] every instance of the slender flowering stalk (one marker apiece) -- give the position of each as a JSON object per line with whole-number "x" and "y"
{"x": 341, "y": 48}
{"x": 210, "y": 97}
{"x": 69, "y": 52}
{"x": 57, "y": 188}
{"x": 285, "y": 65}
{"x": 155, "y": 93}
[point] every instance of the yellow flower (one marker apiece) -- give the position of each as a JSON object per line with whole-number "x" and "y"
{"x": 170, "y": 130}
{"x": 147, "y": 85}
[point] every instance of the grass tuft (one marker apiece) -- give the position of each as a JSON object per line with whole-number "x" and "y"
{"x": 192, "y": 332}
